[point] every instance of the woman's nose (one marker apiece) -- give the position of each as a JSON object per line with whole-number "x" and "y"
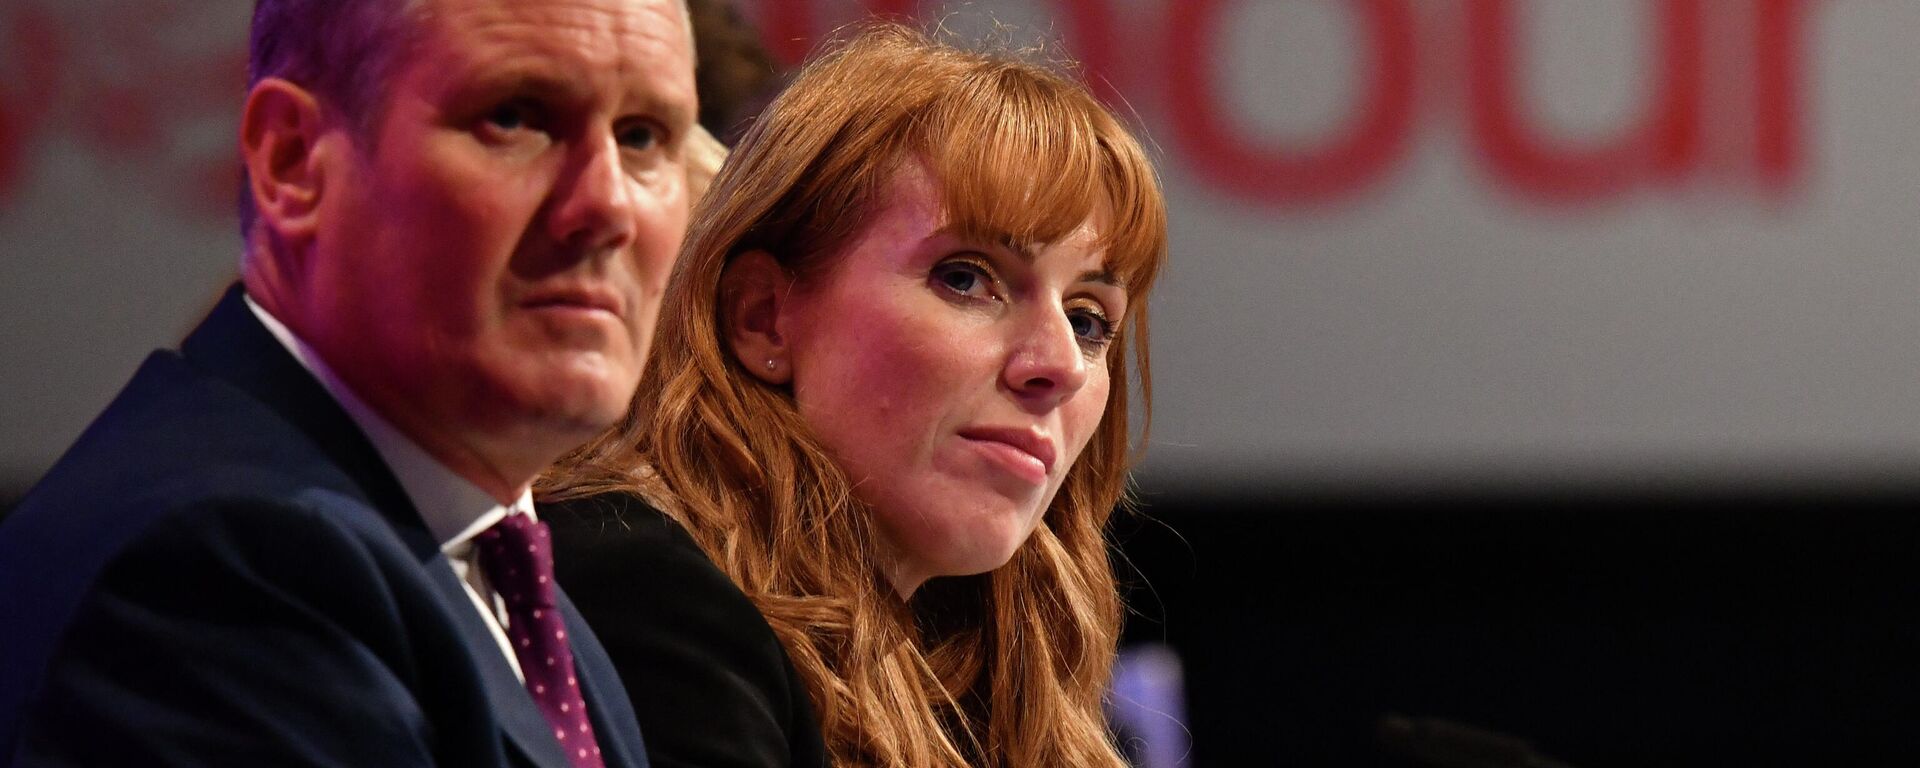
{"x": 1047, "y": 365}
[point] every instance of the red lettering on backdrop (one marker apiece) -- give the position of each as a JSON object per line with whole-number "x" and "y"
{"x": 13, "y": 143}
{"x": 1363, "y": 150}
{"x": 895, "y": 9}
{"x": 33, "y": 41}
{"x": 789, "y": 28}
{"x": 1665, "y": 144}
{"x": 1778, "y": 106}
{"x": 124, "y": 113}
{"x": 1091, "y": 37}
{"x": 167, "y": 99}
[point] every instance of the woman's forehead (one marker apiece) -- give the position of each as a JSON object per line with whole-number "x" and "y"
{"x": 992, "y": 208}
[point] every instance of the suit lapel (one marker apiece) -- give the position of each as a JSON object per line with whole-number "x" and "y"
{"x": 233, "y": 345}
{"x": 614, "y": 722}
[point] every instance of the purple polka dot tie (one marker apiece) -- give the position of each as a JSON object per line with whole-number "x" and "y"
{"x": 517, "y": 554}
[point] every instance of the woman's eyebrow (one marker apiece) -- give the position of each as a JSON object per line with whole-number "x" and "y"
{"x": 1027, "y": 251}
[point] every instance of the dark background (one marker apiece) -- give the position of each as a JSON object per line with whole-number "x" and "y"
{"x": 1605, "y": 626}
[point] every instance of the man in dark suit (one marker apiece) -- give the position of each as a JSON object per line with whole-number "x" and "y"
{"x": 306, "y": 537}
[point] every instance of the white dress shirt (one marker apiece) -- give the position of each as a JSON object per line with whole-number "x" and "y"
{"x": 454, "y": 509}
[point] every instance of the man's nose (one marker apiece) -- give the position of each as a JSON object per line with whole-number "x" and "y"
{"x": 593, "y": 201}
{"x": 1047, "y": 365}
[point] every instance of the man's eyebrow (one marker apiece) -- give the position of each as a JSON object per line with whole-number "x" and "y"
{"x": 676, "y": 113}
{"x": 523, "y": 82}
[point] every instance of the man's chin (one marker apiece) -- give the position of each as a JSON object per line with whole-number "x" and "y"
{"x": 576, "y": 412}
{"x": 569, "y": 400}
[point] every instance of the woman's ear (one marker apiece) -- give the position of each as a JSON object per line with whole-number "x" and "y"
{"x": 753, "y": 290}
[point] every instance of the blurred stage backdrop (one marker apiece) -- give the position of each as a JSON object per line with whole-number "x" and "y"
{"x": 1536, "y": 380}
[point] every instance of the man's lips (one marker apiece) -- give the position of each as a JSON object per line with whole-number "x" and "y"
{"x": 1028, "y": 445}
{"x": 577, "y": 297}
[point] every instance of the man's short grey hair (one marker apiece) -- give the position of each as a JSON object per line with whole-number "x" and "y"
{"x": 343, "y": 51}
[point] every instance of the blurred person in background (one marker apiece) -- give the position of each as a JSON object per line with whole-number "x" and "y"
{"x": 891, "y": 409}
{"x": 733, "y": 70}
{"x": 307, "y": 537}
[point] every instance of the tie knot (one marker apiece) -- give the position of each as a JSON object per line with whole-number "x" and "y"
{"x": 517, "y": 555}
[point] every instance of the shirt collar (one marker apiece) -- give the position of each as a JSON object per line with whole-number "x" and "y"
{"x": 454, "y": 509}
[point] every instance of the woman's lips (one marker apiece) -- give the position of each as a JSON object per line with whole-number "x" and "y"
{"x": 1025, "y": 453}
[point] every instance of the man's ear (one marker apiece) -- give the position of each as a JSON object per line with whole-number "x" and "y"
{"x": 753, "y": 291}
{"x": 280, "y": 144}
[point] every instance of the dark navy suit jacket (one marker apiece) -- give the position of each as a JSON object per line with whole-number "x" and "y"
{"x": 221, "y": 571}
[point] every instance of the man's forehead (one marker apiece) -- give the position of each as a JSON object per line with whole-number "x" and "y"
{"x": 561, "y": 46}
{"x": 656, "y": 24}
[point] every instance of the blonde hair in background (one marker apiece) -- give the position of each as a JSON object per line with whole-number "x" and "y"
{"x": 705, "y": 154}
{"x": 1002, "y": 669}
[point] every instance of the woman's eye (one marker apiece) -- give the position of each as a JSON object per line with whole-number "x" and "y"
{"x": 964, "y": 278}
{"x": 1091, "y": 326}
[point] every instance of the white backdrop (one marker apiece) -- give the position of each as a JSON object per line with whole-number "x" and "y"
{"x": 1413, "y": 240}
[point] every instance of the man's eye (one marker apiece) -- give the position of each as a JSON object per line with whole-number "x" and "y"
{"x": 507, "y": 117}
{"x": 510, "y": 117}
{"x": 965, "y": 278}
{"x": 639, "y": 136}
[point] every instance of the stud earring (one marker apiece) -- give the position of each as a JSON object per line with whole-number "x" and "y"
{"x": 769, "y": 363}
